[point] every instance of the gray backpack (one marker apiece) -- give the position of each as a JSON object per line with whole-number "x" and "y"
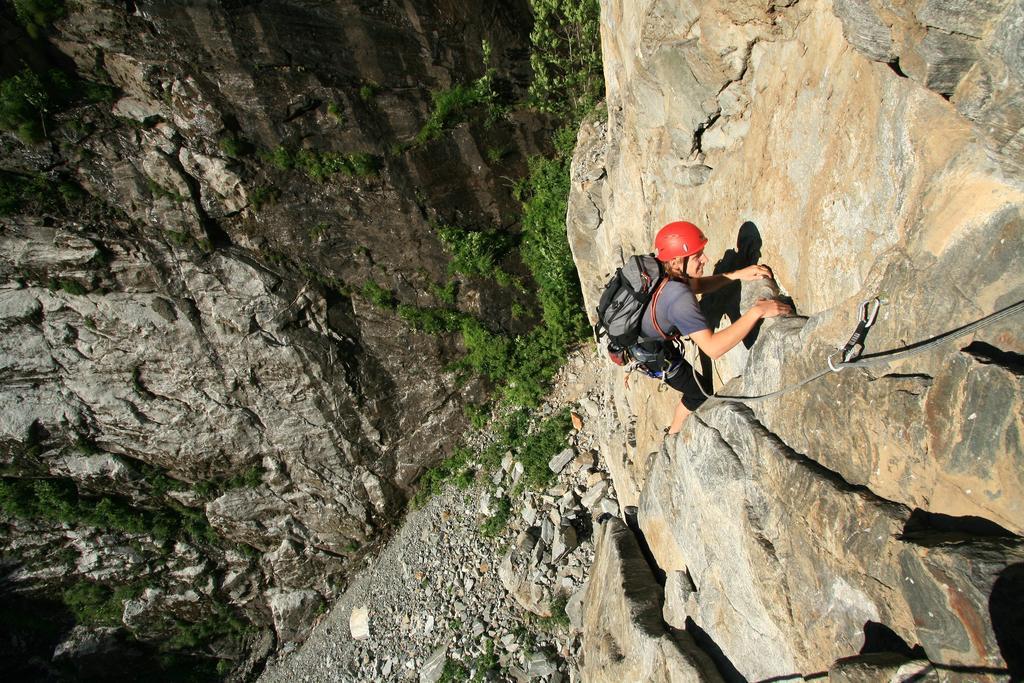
{"x": 623, "y": 303}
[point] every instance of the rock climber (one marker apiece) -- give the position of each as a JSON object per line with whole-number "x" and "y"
{"x": 673, "y": 313}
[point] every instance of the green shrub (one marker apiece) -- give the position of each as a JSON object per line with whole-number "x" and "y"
{"x": 275, "y": 257}
{"x": 281, "y": 158}
{"x": 542, "y": 445}
{"x": 486, "y": 662}
{"x": 362, "y": 165}
{"x": 546, "y": 250}
{"x": 367, "y": 92}
{"x": 192, "y": 635}
{"x": 432, "y": 320}
{"x": 455, "y": 105}
{"x": 450, "y": 106}
{"x": 474, "y": 252}
{"x": 453, "y": 672}
{"x": 523, "y": 367}
{"x": 36, "y": 15}
{"x": 71, "y": 192}
{"x": 17, "y": 192}
{"x": 250, "y": 478}
{"x": 247, "y": 550}
{"x": 178, "y": 238}
{"x": 445, "y": 293}
{"x": 97, "y": 93}
{"x": 322, "y": 165}
{"x": 28, "y": 100}
{"x": 58, "y": 500}
{"x": 448, "y": 470}
{"x": 317, "y": 231}
{"x": 566, "y": 56}
{"x": 487, "y": 352}
{"x": 479, "y": 416}
{"x": 533, "y": 447}
{"x": 158, "y": 191}
{"x": 265, "y": 195}
{"x": 496, "y": 154}
{"x": 377, "y": 295}
{"x": 94, "y": 604}
{"x": 24, "y": 103}
{"x": 159, "y": 482}
{"x": 69, "y": 286}
{"x": 235, "y": 147}
{"x": 336, "y": 112}
{"x": 319, "y": 166}
{"x": 497, "y": 522}
{"x": 558, "y": 618}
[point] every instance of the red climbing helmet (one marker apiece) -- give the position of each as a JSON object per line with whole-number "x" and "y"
{"x": 679, "y": 238}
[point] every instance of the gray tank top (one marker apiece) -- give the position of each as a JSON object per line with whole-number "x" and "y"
{"x": 677, "y": 311}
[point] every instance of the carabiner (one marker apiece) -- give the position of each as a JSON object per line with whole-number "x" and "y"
{"x": 866, "y": 314}
{"x": 869, "y": 311}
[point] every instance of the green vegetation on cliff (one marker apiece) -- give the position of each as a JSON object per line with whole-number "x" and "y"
{"x": 456, "y": 104}
{"x": 59, "y": 500}
{"x": 35, "y": 15}
{"x": 566, "y": 56}
{"x": 30, "y": 99}
{"x": 567, "y": 84}
{"x": 320, "y": 166}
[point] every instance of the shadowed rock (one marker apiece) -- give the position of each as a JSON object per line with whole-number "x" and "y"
{"x": 624, "y": 637}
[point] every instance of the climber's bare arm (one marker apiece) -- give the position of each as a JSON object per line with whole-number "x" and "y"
{"x": 704, "y": 285}
{"x": 717, "y": 344}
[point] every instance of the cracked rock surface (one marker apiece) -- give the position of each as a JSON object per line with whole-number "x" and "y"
{"x": 868, "y": 523}
{"x": 184, "y": 326}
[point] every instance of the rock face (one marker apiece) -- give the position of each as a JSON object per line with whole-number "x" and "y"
{"x": 967, "y": 52}
{"x": 774, "y": 543}
{"x": 192, "y": 311}
{"x": 626, "y": 639}
{"x": 838, "y": 143}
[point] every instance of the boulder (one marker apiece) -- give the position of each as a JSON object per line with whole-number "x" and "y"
{"x": 293, "y": 612}
{"x": 433, "y": 667}
{"x": 564, "y": 541}
{"x": 83, "y": 642}
{"x": 522, "y": 574}
{"x": 563, "y": 458}
{"x": 359, "y": 623}
{"x": 624, "y": 638}
{"x": 790, "y": 562}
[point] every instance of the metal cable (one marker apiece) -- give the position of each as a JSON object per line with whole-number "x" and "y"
{"x": 886, "y": 357}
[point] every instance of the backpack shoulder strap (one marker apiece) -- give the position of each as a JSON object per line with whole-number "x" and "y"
{"x": 654, "y": 306}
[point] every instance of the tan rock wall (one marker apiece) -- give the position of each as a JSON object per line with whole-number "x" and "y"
{"x": 628, "y": 640}
{"x": 855, "y": 180}
{"x": 859, "y": 182}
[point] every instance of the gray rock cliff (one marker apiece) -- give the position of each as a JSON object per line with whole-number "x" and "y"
{"x": 184, "y": 272}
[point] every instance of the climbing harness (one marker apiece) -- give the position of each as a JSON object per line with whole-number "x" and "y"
{"x": 883, "y": 357}
{"x": 661, "y": 375}
{"x": 667, "y": 363}
{"x": 855, "y": 347}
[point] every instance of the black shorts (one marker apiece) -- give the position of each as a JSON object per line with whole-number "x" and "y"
{"x": 683, "y": 381}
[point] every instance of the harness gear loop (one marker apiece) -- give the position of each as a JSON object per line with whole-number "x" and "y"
{"x": 855, "y": 346}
